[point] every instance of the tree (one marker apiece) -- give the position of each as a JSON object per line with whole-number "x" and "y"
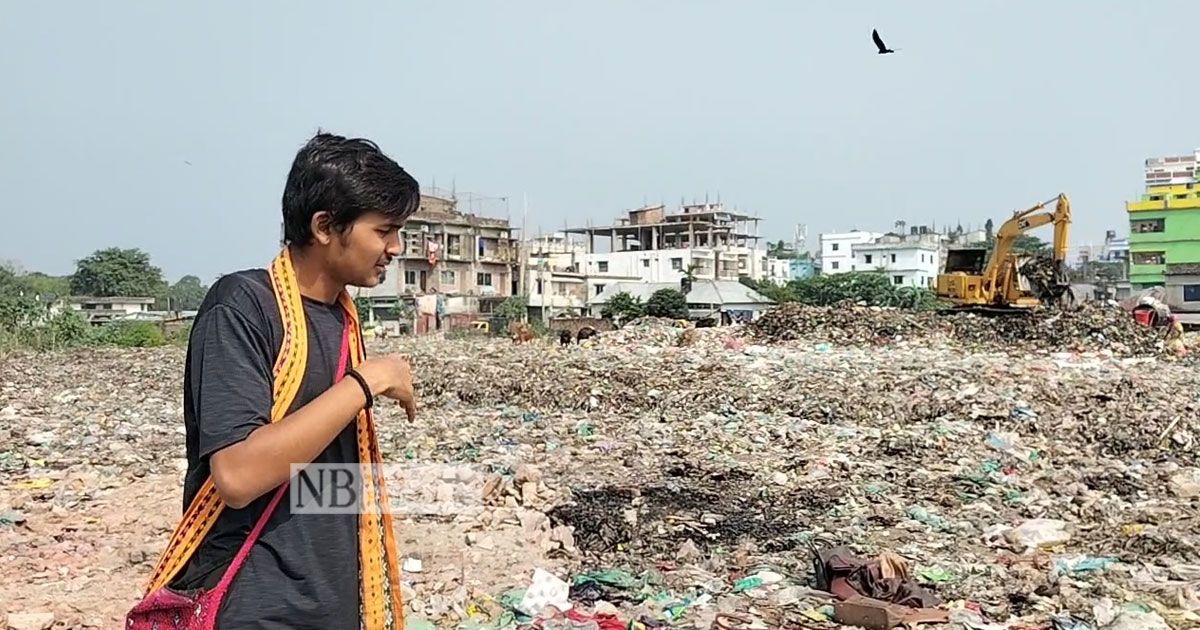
{"x": 114, "y": 271}
{"x": 18, "y": 306}
{"x": 872, "y": 289}
{"x": 362, "y": 305}
{"x": 1024, "y": 244}
{"x": 48, "y": 288}
{"x": 774, "y": 292}
{"x": 187, "y": 294}
{"x": 667, "y": 303}
{"x": 623, "y": 307}
{"x": 513, "y": 309}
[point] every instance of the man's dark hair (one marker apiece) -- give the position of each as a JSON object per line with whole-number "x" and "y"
{"x": 346, "y": 177}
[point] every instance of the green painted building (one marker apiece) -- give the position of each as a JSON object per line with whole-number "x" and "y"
{"x": 1164, "y": 226}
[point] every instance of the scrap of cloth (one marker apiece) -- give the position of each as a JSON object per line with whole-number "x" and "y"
{"x": 885, "y": 578}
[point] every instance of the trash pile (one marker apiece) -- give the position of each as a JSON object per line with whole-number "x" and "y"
{"x": 1089, "y": 327}
{"x": 639, "y": 481}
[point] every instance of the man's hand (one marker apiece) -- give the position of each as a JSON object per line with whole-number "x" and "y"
{"x": 391, "y": 376}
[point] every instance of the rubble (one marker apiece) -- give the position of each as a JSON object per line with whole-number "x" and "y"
{"x": 1021, "y": 484}
{"x": 1089, "y": 327}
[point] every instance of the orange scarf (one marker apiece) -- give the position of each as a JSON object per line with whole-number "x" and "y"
{"x": 379, "y": 574}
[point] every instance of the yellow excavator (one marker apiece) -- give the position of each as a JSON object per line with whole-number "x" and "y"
{"x": 1010, "y": 282}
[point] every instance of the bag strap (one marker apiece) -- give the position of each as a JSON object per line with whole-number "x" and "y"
{"x": 244, "y": 551}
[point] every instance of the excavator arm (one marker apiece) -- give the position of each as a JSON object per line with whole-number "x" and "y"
{"x": 1023, "y": 221}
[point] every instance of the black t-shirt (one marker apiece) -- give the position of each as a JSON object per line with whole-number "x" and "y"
{"x": 303, "y": 570}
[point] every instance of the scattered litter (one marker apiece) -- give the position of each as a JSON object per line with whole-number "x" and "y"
{"x": 1016, "y": 471}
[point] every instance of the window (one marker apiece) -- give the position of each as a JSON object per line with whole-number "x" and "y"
{"x": 835, "y": 246}
{"x": 538, "y": 289}
{"x": 410, "y": 277}
{"x": 599, "y": 289}
{"x": 833, "y": 265}
{"x": 868, "y": 258}
{"x": 1149, "y": 258}
{"x": 454, "y": 245}
{"x": 1147, "y": 225}
{"x": 602, "y": 266}
{"x": 1191, "y": 293}
{"x": 483, "y": 279}
{"x": 646, "y": 262}
{"x": 447, "y": 278}
{"x": 893, "y": 258}
{"x": 677, "y": 264}
{"x": 897, "y": 280}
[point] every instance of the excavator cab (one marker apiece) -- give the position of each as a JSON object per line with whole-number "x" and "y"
{"x": 962, "y": 280}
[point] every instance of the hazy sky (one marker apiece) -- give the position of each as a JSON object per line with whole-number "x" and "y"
{"x": 588, "y": 109}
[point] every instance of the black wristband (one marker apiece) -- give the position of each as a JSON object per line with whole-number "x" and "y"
{"x": 362, "y": 382}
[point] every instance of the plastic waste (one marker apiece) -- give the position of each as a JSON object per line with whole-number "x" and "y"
{"x": 1037, "y": 533}
{"x": 1075, "y": 565}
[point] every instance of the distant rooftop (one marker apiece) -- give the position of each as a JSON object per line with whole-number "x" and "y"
{"x": 83, "y": 299}
{"x": 442, "y": 207}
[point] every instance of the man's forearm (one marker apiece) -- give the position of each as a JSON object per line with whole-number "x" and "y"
{"x": 246, "y": 470}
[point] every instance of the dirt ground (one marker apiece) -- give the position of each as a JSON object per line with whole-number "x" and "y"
{"x": 639, "y": 454}
{"x": 86, "y": 563}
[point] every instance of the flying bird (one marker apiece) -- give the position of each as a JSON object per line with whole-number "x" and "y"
{"x": 883, "y": 49}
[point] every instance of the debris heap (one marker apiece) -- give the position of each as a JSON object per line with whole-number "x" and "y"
{"x": 1090, "y": 327}
{"x": 634, "y": 478}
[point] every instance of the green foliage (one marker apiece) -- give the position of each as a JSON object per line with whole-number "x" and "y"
{"x": 48, "y": 288}
{"x": 65, "y": 330}
{"x": 179, "y": 336}
{"x": 623, "y": 307}
{"x": 186, "y": 294}
{"x": 782, "y": 250}
{"x": 538, "y": 328}
{"x": 114, "y": 271}
{"x": 25, "y": 323}
{"x": 513, "y": 309}
{"x": 363, "y": 306}
{"x": 69, "y": 329}
{"x": 869, "y": 288}
{"x": 667, "y": 303}
{"x": 18, "y": 304}
{"x": 774, "y": 292}
{"x": 1023, "y": 244}
{"x": 130, "y": 335}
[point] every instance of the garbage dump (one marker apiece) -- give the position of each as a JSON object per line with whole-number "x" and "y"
{"x": 821, "y": 468}
{"x": 1087, "y": 327}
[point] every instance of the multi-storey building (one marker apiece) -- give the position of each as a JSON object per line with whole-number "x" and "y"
{"x": 1164, "y": 225}
{"x": 454, "y": 267}
{"x": 653, "y": 245}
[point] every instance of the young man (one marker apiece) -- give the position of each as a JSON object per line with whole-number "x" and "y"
{"x": 343, "y": 206}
